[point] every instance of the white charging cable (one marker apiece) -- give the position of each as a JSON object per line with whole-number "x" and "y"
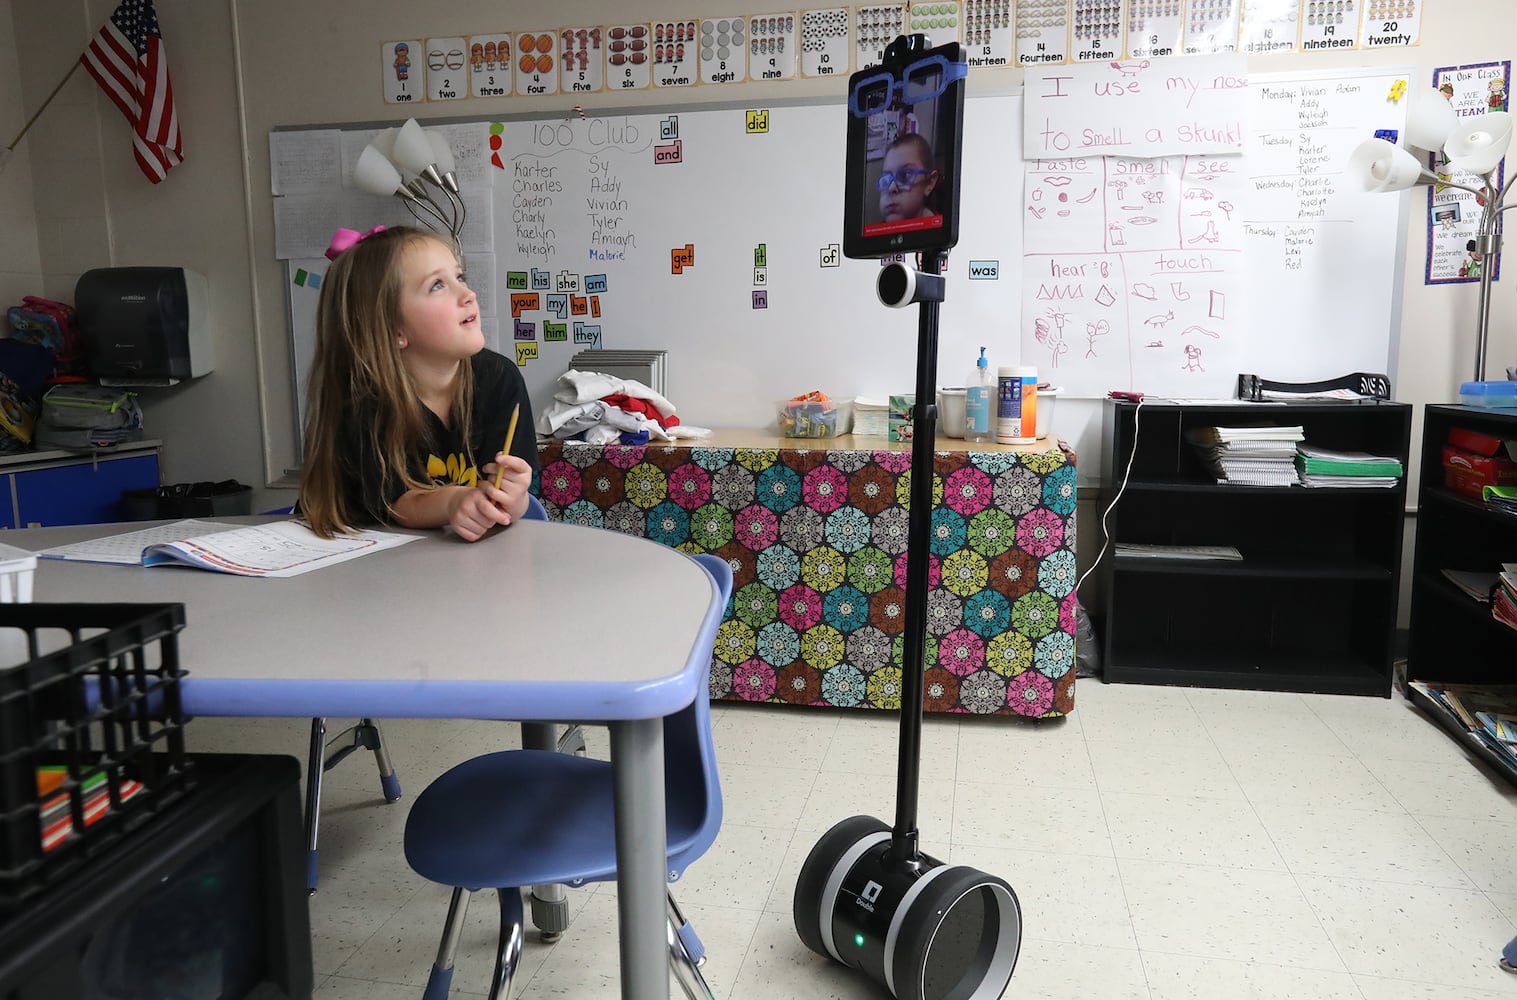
{"x": 1105, "y": 534}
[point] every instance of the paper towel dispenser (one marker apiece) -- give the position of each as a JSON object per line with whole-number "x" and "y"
{"x": 144, "y": 326}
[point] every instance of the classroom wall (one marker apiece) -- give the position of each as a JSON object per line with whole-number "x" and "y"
{"x": 20, "y": 259}
{"x": 243, "y": 67}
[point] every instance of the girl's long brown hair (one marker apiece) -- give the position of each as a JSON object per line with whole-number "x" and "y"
{"x": 357, "y": 368}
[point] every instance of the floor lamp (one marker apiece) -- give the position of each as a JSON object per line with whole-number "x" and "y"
{"x": 415, "y": 166}
{"x": 1475, "y": 145}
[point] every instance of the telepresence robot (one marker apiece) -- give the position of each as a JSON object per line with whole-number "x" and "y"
{"x": 866, "y": 896}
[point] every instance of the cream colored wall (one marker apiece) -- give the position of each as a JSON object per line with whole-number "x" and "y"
{"x": 242, "y": 67}
{"x": 20, "y": 259}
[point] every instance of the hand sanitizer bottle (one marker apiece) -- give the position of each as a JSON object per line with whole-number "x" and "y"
{"x": 979, "y": 396}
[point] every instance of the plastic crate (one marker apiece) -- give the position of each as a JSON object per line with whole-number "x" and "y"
{"x": 98, "y": 694}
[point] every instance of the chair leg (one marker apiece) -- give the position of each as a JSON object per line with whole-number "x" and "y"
{"x": 389, "y": 784}
{"x": 687, "y": 955}
{"x": 447, "y": 949}
{"x": 550, "y": 903}
{"x": 508, "y": 948}
{"x": 315, "y": 768}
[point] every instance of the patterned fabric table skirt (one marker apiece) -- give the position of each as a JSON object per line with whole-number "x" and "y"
{"x": 817, "y": 544}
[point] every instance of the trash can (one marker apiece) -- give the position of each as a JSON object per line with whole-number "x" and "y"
{"x": 222, "y": 499}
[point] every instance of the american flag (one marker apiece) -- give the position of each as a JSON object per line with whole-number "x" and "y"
{"x": 128, "y": 61}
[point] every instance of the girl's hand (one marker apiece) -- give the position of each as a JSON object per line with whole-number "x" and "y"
{"x": 514, "y": 485}
{"x": 474, "y": 513}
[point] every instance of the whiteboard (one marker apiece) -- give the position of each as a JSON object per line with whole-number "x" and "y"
{"x": 767, "y": 308}
{"x": 1318, "y": 288}
{"x": 1171, "y": 276}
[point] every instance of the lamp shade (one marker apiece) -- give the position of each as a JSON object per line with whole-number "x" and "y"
{"x": 1429, "y": 119}
{"x": 442, "y": 153}
{"x": 375, "y": 174}
{"x": 413, "y": 151}
{"x": 385, "y": 141}
{"x": 1382, "y": 166}
{"x": 1479, "y": 144}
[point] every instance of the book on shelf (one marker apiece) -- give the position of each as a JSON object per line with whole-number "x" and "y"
{"x": 277, "y": 549}
{"x": 1477, "y": 585}
{"x": 1138, "y": 550}
{"x": 1504, "y": 596}
{"x": 1248, "y": 456}
{"x": 1502, "y": 498}
{"x": 1468, "y": 706}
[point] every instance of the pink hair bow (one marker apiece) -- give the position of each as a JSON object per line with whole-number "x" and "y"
{"x": 346, "y": 238}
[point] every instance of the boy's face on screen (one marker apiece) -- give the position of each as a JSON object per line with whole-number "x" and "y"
{"x": 439, "y": 314}
{"x": 914, "y": 179}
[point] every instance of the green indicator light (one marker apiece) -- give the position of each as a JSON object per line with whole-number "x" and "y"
{"x": 858, "y": 939}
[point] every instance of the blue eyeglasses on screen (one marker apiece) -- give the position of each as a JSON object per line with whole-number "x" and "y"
{"x": 903, "y": 178}
{"x": 921, "y": 81}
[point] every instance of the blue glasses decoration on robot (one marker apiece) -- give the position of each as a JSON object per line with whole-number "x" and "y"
{"x": 903, "y": 151}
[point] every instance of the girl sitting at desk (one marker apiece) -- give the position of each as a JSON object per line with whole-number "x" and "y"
{"x": 405, "y": 400}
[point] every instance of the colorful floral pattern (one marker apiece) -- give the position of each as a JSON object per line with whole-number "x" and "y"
{"x": 817, "y": 542}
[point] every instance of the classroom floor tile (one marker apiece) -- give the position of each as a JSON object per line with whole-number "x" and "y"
{"x": 1165, "y": 844}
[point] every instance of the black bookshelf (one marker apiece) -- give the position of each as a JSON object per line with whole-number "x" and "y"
{"x": 1312, "y": 605}
{"x": 1453, "y": 638}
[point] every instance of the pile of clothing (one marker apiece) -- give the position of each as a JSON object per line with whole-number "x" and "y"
{"x": 603, "y": 409}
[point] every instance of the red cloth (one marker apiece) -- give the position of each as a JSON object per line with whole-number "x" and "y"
{"x": 634, "y": 405}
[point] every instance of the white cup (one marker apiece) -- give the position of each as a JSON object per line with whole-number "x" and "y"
{"x": 951, "y": 411}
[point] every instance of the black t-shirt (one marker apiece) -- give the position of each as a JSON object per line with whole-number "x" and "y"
{"x": 444, "y": 458}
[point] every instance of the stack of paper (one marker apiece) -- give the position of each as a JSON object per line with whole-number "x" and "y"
{"x": 1502, "y": 498}
{"x": 645, "y": 366}
{"x": 1327, "y": 467}
{"x": 1504, "y": 600}
{"x": 1249, "y": 456}
{"x": 1487, "y": 713}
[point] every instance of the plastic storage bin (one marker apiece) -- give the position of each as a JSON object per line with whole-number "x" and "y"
{"x": 1490, "y": 394}
{"x": 811, "y": 417}
{"x": 97, "y": 704}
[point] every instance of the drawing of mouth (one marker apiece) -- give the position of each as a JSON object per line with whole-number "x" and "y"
{"x": 1057, "y": 182}
{"x": 1143, "y": 220}
{"x": 1087, "y": 198}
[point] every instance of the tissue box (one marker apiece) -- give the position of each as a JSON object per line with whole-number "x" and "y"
{"x": 900, "y": 416}
{"x": 1468, "y": 472}
{"x": 870, "y": 416}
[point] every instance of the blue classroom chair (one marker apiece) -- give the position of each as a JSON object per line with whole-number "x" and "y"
{"x": 508, "y": 820}
{"x": 365, "y": 735}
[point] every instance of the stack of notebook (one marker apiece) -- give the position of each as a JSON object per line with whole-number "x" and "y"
{"x": 1326, "y": 467}
{"x": 646, "y": 367}
{"x": 1248, "y": 456}
{"x": 1504, "y": 599}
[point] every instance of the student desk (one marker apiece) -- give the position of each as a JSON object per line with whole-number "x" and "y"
{"x": 532, "y": 623}
{"x": 815, "y": 531}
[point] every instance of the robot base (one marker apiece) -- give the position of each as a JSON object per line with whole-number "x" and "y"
{"x": 927, "y": 931}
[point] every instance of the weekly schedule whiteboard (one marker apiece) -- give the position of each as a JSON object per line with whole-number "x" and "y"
{"x": 714, "y": 234}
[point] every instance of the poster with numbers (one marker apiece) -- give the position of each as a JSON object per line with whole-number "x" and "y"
{"x": 447, "y": 78}
{"x": 824, "y": 42}
{"x": 1211, "y": 27}
{"x": 1154, "y": 28}
{"x": 1096, "y": 34}
{"x": 629, "y": 56}
{"x": 402, "y": 72}
{"x": 1391, "y": 23}
{"x": 1330, "y": 24}
{"x": 1042, "y": 32}
{"x": 490, "y": 65}
{"x": 874, "y": 28}
{"x": 1269, "y": 26}
{"x": 989, "y": 39}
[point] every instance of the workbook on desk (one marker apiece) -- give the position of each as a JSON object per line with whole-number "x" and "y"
{"x": 279, "y": 548}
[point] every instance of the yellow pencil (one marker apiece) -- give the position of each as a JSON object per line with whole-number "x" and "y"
{"x": 500, "y": 471}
